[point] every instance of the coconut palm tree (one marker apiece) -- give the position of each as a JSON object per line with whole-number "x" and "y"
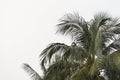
{"x": 94, "y": 53}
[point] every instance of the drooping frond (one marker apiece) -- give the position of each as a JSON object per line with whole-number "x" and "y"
{"x": 115, "y": 30}
{"x": 51, "y": 50}
{"x": 101, "y": 18}
{"x": 113, "y": 46}
{"x": 97, "y": 30}
{"x": 34, "y": 75}
{"x": 111, "y": 28}
{"x": 77, "y": 27}
{"x": 75, "y": 53}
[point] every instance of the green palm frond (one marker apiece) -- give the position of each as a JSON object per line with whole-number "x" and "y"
{"x": 115, "y": 30}
{"x": 114, "y": 22}
{"x": 34, "y": 75}
{"x": 77, "y": 27}
{"x": 103, "y": 21}
{"x": 70, "y": 23}
{"x": 75, "y": 53}
{"x": 101, "y": 16}
{"x": 52, "y": 49}
{"x": 100, "y": 19}
{"x": 112, "y": 26}
{"x": 114, "y": 45}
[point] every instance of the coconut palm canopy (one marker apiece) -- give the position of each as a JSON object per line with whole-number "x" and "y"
{"x": 94, "y": 53}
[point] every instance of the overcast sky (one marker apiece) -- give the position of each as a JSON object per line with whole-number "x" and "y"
{"x": 27, "y": 26}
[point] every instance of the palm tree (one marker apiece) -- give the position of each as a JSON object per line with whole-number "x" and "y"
{"x": 95, "y": 50}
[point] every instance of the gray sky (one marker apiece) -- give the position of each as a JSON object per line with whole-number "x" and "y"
{"x": 27, "y": 26}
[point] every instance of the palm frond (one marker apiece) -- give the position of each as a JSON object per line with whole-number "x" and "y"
{"x": 69, "y": 23}
{"x": 115, "y": 45}
{"x": 52, "y": 49}
{"x": 101, "y": 17}
{"x": 115, "y": 22}
{"x": 76, "y": 26}
{"x": 103, "y": 21}
{"x": 34, "y": 75}
{"x": 75, "y": 53}
{"x": 115, "y": 30}
{"x": 112, "y": 26}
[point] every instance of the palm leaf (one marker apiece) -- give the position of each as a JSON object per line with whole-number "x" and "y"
{"x": 115, "y": 45}
{"x": 52, "y": 49}
{"x": 34, "y": 75}
{"x": 77, "y": 27}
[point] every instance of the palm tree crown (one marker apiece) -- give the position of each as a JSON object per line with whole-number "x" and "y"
{"x": 95, "y": 49}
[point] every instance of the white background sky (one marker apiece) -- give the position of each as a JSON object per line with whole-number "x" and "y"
{"x": 27, "y": 26}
